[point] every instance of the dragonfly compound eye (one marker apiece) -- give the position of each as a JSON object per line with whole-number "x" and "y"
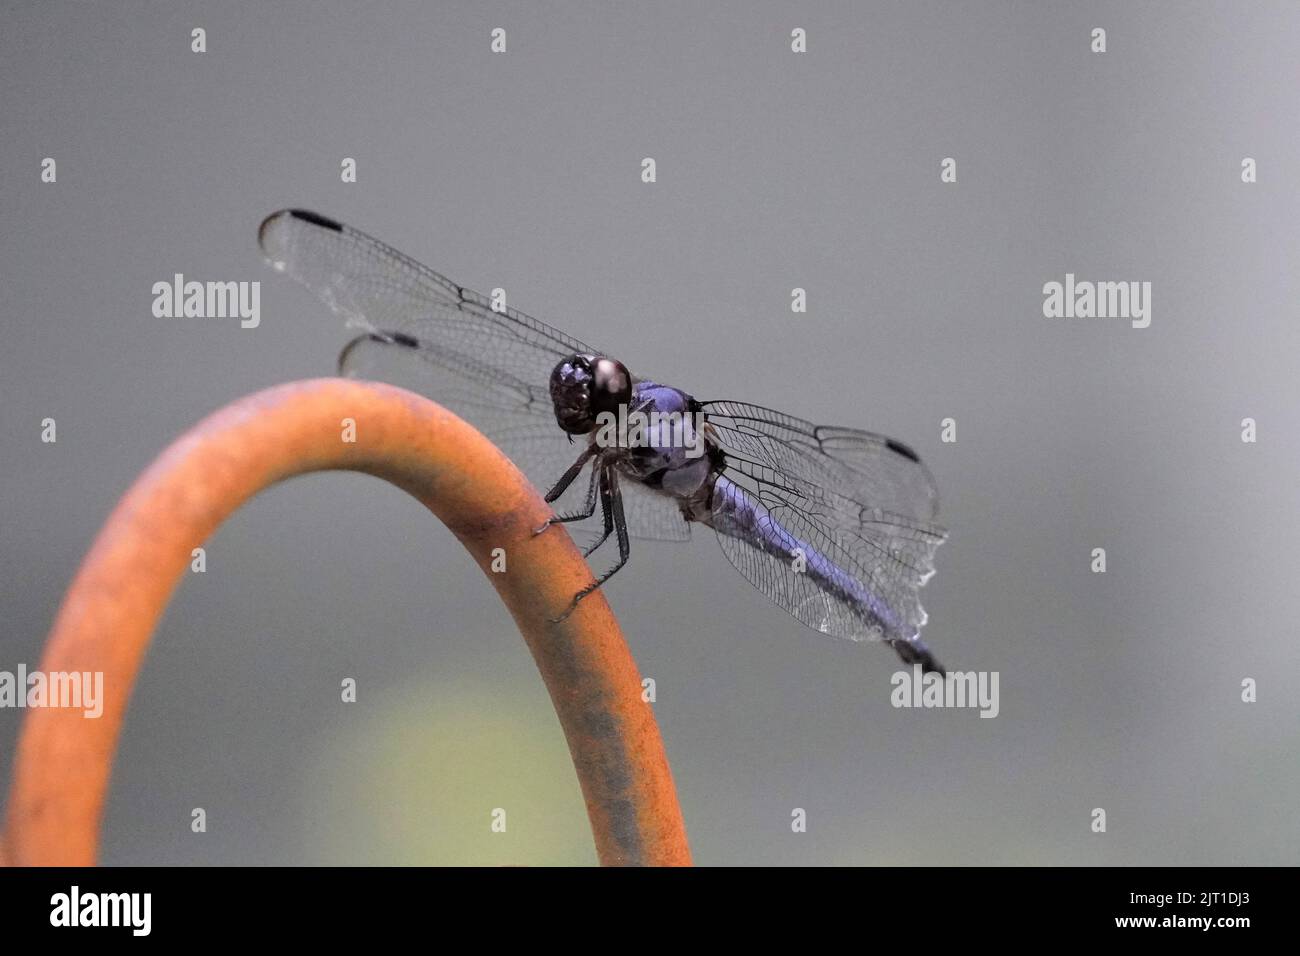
{"x": 585, "y": 386}
{"x": 571, "y": 394}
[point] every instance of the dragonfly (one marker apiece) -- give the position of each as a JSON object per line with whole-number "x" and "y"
{"x": 835, "y": 525}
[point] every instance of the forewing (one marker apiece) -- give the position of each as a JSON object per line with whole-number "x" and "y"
{"x": 380, "y": 290}
{"x": 872, "y": 469}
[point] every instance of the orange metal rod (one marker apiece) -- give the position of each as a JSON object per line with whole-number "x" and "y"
{"x": 63, "y": 761}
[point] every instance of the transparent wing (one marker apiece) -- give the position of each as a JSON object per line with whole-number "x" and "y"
{"x": 877, "y": 471}
{"x": 861, "y": 520}
{"x": 378, "y": 289}
{"x": 652, "y": 516}
{"x": 859, "y": 582}
{"x": 426, "y": 333}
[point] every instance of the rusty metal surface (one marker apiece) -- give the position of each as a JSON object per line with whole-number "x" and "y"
{"x": 63, "y": 761}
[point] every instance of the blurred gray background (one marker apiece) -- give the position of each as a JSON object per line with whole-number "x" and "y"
{"x": 775, "y": 170}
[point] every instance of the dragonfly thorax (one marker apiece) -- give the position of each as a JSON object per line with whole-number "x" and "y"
{"x": 585, "y": 386}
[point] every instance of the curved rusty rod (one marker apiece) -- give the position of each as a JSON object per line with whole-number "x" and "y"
{"x": 63, "y": 760}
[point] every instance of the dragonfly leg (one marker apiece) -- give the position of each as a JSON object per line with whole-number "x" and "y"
{"x": 606, "y": 512}
{"x": 612, "y": 498}
{"x": 566, "y": 479}
{"x": 573, "y": 472}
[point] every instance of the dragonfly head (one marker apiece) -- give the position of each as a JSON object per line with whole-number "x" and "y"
{"x": 585, "y": 386}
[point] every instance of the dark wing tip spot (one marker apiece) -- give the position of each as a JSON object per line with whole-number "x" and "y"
{"x": 316, "y": 219}
{"x": 384, "y": 338}
{"x": 306, "y": 215}
{"x": 900, "y": 448}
